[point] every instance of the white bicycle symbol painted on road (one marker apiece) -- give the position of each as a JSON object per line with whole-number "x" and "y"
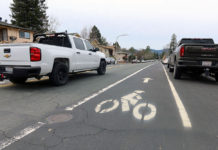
{"x": 133, "y": 99}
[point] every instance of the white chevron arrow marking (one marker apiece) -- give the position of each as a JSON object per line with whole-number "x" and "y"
{"x": 146, "y": 80}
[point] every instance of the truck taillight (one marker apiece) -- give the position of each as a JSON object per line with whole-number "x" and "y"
{"x": 182, "y": 51}
{"x": 35, "y": 54}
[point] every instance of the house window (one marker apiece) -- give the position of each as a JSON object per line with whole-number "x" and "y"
{"x": 25, "y": 35}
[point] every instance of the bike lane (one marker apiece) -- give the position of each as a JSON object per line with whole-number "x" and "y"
{"x": 139, "y": 113}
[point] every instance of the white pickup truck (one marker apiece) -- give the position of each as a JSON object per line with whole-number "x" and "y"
{"x": 54, "y": 55}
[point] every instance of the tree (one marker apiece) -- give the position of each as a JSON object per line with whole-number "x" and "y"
{"x": 140, "y": 55}
{"x": 95, "y": 34}
{"x": 132, "y": 50}
{"x": 148, "y": 54}
{"x": 104, "y": 41}
{"x": 44, "y": 18}
{"x": 173, "y": 43}
{"x": 84, "y": 33}
{"x": 30, "y": 14}
{"x": 53, "y": 24}
{"x": 117, "y": 46}
{"x": 148, "y": 49}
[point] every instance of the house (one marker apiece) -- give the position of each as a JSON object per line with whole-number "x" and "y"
{"x": 109, "y": 51}
{"x": 13, "y": 34}
{"x": 121, "y": 56}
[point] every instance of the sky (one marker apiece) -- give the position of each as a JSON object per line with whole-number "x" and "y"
{"x": 146, "y": 22}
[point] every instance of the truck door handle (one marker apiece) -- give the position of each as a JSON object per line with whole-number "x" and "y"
{"x": 78, "y": 52}
{"x": 90, "y": 53}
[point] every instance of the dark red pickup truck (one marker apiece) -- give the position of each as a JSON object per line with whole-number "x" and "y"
{"x": 196, "y": 56}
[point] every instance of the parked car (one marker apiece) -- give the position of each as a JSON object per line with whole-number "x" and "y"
{"x": 54, "y": 55}
{"x": 165, "y": 61}
{"x": 135, "y": 61}
{"x": 113, "y": 61}
{"x": 110, "y": 60}
{"x": 195, "y": 55}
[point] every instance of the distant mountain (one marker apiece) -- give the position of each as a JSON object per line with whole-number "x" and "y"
{"x": 157, "y": 51}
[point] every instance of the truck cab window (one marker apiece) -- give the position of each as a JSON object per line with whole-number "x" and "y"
{"x": 89, "y": 45}
{"x": 79, "y": 43}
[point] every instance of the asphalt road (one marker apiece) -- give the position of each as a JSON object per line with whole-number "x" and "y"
{"x": 134, "y": 106}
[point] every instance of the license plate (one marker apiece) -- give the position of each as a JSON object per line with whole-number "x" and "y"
{"x": 206, "y": 63}
{"x": 8, "y": 69}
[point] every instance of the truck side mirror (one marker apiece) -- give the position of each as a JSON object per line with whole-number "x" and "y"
{"x": 96, "y": 49}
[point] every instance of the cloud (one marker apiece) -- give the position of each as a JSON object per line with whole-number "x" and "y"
{"x": 147, "y": 22}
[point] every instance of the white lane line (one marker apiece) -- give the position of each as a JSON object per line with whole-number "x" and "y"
{"x": 182, "y": 111}
{"x": 5, "y": 143}
{"x": 103, "y": 90}
{"x": 2, "y": 82}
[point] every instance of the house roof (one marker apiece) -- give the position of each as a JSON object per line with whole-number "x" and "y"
{"x": 97, "y": 44}
{"x": 121, "y": 52}
{"x": 13, "y": 26}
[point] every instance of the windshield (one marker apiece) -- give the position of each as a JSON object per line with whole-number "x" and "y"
{"x": 196, "y": 41}
{"x": 54, "y": 39}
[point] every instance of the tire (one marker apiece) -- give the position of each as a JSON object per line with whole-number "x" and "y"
{"x": 170, "y": 69}
{"x": 196, "y": 75}
{"x": 102, "y": 68}
{"x": 59, "y": 75}
{"x": 216, "y": 77}
{"x": 177, "y": 72}
{"x": 20, "y": 80}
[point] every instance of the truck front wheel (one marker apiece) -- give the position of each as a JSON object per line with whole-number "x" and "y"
{"x": 59, "y": 75}
{"x": 102, "y": 68}
{"x": 16, "y": 80}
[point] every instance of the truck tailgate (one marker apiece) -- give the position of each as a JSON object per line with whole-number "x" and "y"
{"x": 203, "y": 51}
{"x": 15, "y": 54}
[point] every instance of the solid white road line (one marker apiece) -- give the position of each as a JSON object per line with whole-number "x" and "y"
{"x": 20, "y": 135}
{"x": 103, "y": 90}
{"x": 182, "y": 111}
{"x": 2, "y": 82}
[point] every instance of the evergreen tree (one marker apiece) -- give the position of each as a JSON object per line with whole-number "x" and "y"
{"x": 173, "y": 43}
{"x": 117, "y": 46}
{"x": 148, "y": 54}
{"x": 30, "y": 14}
{"x": 148, "y": 49}
{"x": 95, "y": 34}
{"x": 104, "y": 41}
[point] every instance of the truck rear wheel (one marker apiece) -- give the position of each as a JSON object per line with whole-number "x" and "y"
{"x": 216, "y": 77}
{"x": 177, "y": 72}
{"x": 16, "y": 80}
{"x": 59, "y": 75}
{"x": 102, "y": 68}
